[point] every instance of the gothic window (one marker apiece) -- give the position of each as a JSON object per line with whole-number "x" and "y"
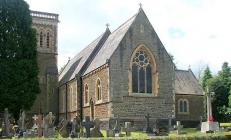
{"x": 41, "y": 39}
{"x": 86, "y": 94}
{"x": 48, "y": 39}
{"x": 98, "y": 90}
{"x": 71, "y": 98}
{"x": 183, "y": 106}
{"x": 141, "y": 71}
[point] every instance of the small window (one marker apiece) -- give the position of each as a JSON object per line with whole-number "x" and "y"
{"x": 41, "y": 39}
{"x": 48, "y": 39}
{"x": 183, "y": 106}
{"x": 98, "y": 90}
{"x": 86, "y": 94}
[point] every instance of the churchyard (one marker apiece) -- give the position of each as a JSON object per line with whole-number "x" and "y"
{"x": 45, "y": 127}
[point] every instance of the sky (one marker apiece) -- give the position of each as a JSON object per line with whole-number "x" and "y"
{"x": 195, "y": 32}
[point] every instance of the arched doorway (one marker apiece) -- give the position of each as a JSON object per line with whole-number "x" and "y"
{"x": 92, "y": 109}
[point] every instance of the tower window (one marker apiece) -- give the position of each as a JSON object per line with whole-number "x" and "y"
{"x": 41, "y": 39}
{"x": 48, "y": 39}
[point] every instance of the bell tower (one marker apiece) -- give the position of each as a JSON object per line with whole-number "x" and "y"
{"x": 46, "y": 26}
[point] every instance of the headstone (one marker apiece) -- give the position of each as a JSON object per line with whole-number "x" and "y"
{"x": 178, "y": 127}
{"x": 88, "y": 125}
{"x": 62, "y": 128}
{"x": 49, "y": 128}
{"x": 128, "y": 128}
{"x": 95, "y": 132}
{"x": 69, "y": 128}
{"x": 78, "y": 126}
{"x": 148, "y": 129}
{"x": 117, "y": 127}
{"x": 6, "y": 125}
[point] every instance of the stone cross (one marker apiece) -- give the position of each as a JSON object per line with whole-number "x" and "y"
{"x": 140, "y": 4}
{"x": 6, "y": 123}
{"x": 128, "y": 128}
{"x": 107, "y": 25}
{"x": 117, "y": 127}
{"x": 209, "y": 107}
{"x": 88, "y": 125}
{"x": 149, "y": 129}
{"x": 179, "y": 127}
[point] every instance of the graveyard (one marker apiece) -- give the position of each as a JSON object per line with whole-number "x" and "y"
{"x": 45, "y": 127}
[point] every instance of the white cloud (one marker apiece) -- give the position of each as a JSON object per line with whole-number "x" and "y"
{"x": 202, "y": 27}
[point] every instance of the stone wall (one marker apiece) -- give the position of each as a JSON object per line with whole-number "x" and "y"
{"x": 101, "y": 108}
{"x": 196, "y": 109}
{"x": 127, "y": 104}
{"x": 47, "y": 100}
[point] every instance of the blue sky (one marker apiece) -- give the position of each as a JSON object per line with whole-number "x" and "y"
{"x": 195, "y": 32}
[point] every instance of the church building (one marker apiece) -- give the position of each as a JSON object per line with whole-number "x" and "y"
{"x": 127, "y": 73}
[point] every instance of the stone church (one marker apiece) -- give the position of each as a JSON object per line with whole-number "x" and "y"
{"x": 125, "y": 73}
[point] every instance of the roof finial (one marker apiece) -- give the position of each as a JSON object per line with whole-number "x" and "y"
{"x": 189, "y": 67}
{"x": 107, "y": 25}
{"x": 69, "y": 58}
{"x": 140, "y": 4}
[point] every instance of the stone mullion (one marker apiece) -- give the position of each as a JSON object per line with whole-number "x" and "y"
{"x": 138, "y": 79}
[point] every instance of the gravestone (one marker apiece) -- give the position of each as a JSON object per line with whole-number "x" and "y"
{"x": 49, "y": 128}
{"x": 95, "y": 132}
{"x": 128, "y": 128}
{"x": 148, "y": 129}
{"x": 178, "y": 127}
{"x": 69, "y": 128}
{"x": 117, "y": 127}
{"x": 62, "y": 128}
{"x": 6, "y": 125}
{"x": 88, "y": 125}
{"x": 77, "y": 126}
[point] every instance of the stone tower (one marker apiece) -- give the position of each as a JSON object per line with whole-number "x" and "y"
{"x": 46, "y": 25}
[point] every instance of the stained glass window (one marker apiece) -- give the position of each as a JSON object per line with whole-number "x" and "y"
{"x": 41, "y": 39}
{"x": 183, "y": 105}
{"x": 141, "y": 72}
{"x": 98, "y": 90}
{"x": 86, "y": 94}
{"x": 48, "y": 39}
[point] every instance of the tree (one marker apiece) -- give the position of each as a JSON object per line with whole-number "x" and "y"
{"x": 18, "y": 59}
{"x": 206, "y": 76}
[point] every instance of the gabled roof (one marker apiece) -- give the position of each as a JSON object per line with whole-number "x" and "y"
{"x": 186, "y": 83}
{"x": 110, "y": 45}
{"x": 75, "y": 65}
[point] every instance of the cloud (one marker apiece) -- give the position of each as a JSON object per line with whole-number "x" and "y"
{"x": 191, "y": 30}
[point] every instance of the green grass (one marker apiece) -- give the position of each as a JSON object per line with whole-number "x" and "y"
{"x": 225, "y": 124}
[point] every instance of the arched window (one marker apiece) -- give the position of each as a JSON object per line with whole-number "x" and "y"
{"x": 143, "y": 70}
{"x": 183, "y": 106}
{"x": 41, "y": 39}
{"x": 86, "y": 94}
{"x": 71, "y": 98}
{"x": 48, "y": 39}
{"x": 98, "y": 90}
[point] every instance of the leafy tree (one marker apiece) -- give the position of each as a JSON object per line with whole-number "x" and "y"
{"x": 206, "y": 76}
{"x": 219, "y": 99}
{"x": 18, "y": 59}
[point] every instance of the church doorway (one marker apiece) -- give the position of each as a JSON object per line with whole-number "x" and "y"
{"x": 92, "y": 109}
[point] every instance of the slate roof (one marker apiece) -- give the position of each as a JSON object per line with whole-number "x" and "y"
{"x": 186, "y": 83}
{"x": 110, "y": 45}
{"x": 74, "y": 65}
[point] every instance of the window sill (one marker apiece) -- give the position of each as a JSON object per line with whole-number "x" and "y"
{"x": 142, "y": 94}
{"x": 183, "y": 113}
{"x": 86, "y": 105}
{"x": 99, "y": 101}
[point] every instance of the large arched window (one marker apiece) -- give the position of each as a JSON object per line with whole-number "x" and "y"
{"x": 143, "y": 72}
{"x": 98, "y": 90}
{"x": 48, "y": 39}
{"x": 183, "y": 106}
{"x": 41, "y": 39}
{"x": 86, "y": 94}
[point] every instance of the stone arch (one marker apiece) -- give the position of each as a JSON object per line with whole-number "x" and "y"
{"x": 98, "y": 89}
{"x": 146, "y": 79}
{"x": 183, "y": 106}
